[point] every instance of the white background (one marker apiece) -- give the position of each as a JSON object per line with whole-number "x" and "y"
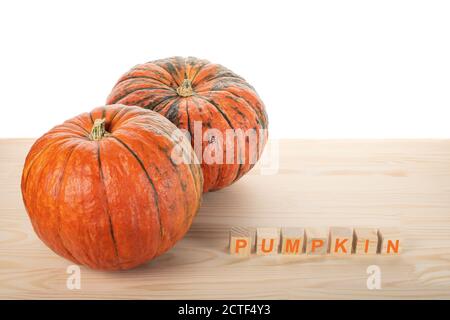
{"x": 325, "y": 69}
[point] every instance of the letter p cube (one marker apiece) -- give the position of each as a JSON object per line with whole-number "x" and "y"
{"x": 241, "y": 241}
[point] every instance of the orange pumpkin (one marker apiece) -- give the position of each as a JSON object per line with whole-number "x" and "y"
{"x": 189, "y": 90}
{"x": 102, "y": 189}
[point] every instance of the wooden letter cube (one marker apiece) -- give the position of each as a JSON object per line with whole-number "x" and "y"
{"x": 341, "y": 240}
{"x": 292, "y": 240}
{"x": 267, "y": 241}
{"x": 241, "y": 241}
{"x": 316, "y": 241}
{"x": 365, "y": 241}
{"x": 390, "y": 242}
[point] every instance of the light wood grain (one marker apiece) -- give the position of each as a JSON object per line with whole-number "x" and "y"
{"x": 377, "y": 183}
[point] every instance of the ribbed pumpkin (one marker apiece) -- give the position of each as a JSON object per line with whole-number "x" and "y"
{"x": 186, "y": 90}
{"x": 103, "y": 189}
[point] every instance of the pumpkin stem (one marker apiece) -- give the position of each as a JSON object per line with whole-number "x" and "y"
{"x": 185, "y": 90}
{"x": 98, "y": 130}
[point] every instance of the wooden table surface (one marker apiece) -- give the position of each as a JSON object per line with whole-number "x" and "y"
{"x": 404, "y": 183}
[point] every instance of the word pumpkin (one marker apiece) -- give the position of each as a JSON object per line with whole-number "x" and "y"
{"x": 314, "y": 241}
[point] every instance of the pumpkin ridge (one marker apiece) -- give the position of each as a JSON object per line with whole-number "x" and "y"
{"x": 198, "y": 71}
{"x": 258, "y": 115}
{"x": 142, "y": 82}
{"x": 90, "y": 117}
{"x": 255, "y": 110}
{"x": 239, "y": 170}
{"x": 143, "y": 77}
{"x": 244, "y": 117}
{"x": 194, "y": 155}
{"x": 172, "y": 113}
{"x": 227, "y": 77}
{"x": 117, "y": 100}
{"x": 188, "y": 116}
{"x": 221, "y": 84}
{"x": 251, "y": 109}
{"x": 39, "y": 154}
{"x": 119, "y": 121}
{"x": 171, "y": 70}
{"x": 133, "y": 120}
{"x": 152, "y": 106}
{"x": 148, "y": 178}
{"x": 58, "y": 206}
{"x": 161, "y": 106}
{"x": 219, "y": 170}
{"x": 111, "y": 228}
{"x": 231, "y": 126}
{"x": 151, "y": 64}
{"x": 78, "y": 121}
{"x": 103, "y": 113}
{"x": 161, "y": 109}
{"x": 78, "y": 126}
{"x": 174, "y": 167}
{"x": 161, "y": 130}
{"x": 169, "y": 136}
{"x": 114, "y": 117}
{"x": 39, "y": 175}
{"x": 64, "y": 131}
{"x": 218, "y": 109}
{"x": 220, "y": 77}
{"x": 194, "y": 77}
{"x": 180, "y": 64}
{"x": 81, "y": 248}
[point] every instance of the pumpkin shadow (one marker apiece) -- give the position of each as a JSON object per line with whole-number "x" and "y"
{"x": 226, "y": 204}
{"x": 221, "y": 210}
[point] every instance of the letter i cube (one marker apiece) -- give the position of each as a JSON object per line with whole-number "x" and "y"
{"x": 366, "y": 241}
